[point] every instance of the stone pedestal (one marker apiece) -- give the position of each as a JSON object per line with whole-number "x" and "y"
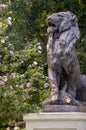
{"x": 56, "y": 121}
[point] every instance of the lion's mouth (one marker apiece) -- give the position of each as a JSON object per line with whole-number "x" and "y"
{"x": 51, "y": 25}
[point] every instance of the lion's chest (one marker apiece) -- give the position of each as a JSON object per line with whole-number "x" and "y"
{"x": 55, "y": 49}
{"x": 56, "y": 53}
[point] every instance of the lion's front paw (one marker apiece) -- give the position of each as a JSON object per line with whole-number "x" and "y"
{"x": 64, "y": 98}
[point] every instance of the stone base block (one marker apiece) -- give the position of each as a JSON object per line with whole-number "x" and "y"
{"x": 56, "y": 121}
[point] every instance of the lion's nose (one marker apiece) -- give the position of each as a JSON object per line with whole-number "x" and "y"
{"x": 49, "y": 18}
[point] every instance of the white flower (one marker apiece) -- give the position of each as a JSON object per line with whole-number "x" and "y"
{"x": 7, "y": 37}
{"x": 38, "y": 43}
{"x": 29, "y": 85}
{"x": 3, "y": 6}
{"x": 22, "y": 62}
{"x": 9, "y": 20}
{"x": 10, "y": 12}
{"x": 13, "y": 74}
{"x": 35, "y": 63}
{"x": 1, "y": 82}
{"x": 5, "y": 48}
{"x": 17, "y": 85}
{"x": 39, "y": 51}
{"x": 11, "y": 53}
{"x": 22, "y": 76}
{"x": 39, "y": 47}
{"x": 5, "y": 78}
{"x": 2, "y": 41}
{"x": 46, "y": 85}
{"x": 11, "y": 87}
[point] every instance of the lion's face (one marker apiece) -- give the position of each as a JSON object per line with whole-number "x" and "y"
{"x": 59, "y": 22}
{"x": 54, "y": 22}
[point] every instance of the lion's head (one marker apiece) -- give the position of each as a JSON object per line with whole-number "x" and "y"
{"x": 62, "y": 21}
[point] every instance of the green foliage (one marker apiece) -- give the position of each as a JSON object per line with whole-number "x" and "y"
{"x": 30, "y": 16}
{"x": 82, "y": 55}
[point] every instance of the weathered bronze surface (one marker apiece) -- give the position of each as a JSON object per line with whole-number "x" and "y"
{"x": 63, "y": 66}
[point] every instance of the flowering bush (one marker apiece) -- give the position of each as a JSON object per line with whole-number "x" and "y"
{"x": 23, "y": 84}
{"x": 23, "y": 80}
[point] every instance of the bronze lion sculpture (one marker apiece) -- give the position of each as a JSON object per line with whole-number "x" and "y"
{"x": 63, "y": 66}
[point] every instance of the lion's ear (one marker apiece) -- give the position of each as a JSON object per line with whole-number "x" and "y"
{"x": 74, "y": 20}
{"x": 64, "y": 25}
{"x": 74, "y": 24}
